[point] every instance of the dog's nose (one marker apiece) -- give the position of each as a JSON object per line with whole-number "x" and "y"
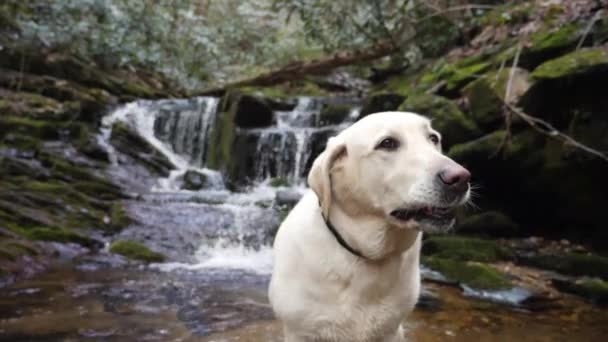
{"x": 455, "y": 176}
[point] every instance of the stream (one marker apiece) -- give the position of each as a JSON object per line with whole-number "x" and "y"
{"x": 218, "y": 244}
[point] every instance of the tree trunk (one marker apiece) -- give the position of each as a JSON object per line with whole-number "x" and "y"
{"x": 300, "y": 69}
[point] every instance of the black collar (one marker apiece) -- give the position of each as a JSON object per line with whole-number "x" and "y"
{"x": 340, "y": 240}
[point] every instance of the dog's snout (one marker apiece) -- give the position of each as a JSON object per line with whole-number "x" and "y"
{"x": 455, "y": 176}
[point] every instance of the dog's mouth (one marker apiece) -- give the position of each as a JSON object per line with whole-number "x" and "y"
{"x": 425, "y": 213}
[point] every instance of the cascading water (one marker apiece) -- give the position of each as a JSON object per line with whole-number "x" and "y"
{"x": 214, "y": 228}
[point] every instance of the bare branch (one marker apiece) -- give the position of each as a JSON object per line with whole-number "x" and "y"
{"x": 588, "y": 29}
{"x": 547, "y": 129}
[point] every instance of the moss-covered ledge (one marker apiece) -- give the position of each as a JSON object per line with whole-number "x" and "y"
{"x": 135, "y": 251}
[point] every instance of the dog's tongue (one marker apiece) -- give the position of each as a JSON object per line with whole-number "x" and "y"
{"x": 428, "y": 210}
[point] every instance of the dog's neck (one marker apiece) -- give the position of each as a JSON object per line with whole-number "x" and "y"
{"x": 370, "y": 236}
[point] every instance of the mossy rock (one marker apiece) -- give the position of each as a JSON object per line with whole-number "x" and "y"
{"x": 489, "y": 223}
{"x": 119, "y": 218}
{"x": 61, "y": 235}
{"x": 573, "y": 64}
{"x": 594, "y": 290}
{"x": 136, "y": 251}
{"x": 453, "y": 125}
{"x": 465, "y": 249}
{"x": 486, "y": 95}
{"x": 475, "y": 275}
{"x": 547, "y": 43}
{"x": 333, "y": 114}
{"x": 458, "y": 75}
{"x": 45, "y": 130}
{"x": 252, "y": 112}
{"x": 193, "y": 180}
{"x": 127, "y": 141}
{"x": 381, "y": 102}
{"x": 479, "y": 150}
{"x": 222, "y": 134}
{"x": 278, "y": 182}
{"x": 87, "y": 103}
{"x": 570, "y": 264}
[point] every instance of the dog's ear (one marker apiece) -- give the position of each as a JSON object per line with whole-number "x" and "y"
{"x": 319, "y": 178}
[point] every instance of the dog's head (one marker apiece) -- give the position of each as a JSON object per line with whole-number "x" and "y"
{"x": 390, "y": 165}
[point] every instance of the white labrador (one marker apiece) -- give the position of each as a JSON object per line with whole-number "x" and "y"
{"x": 346, "y": 258}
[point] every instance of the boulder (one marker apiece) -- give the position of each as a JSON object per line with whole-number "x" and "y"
{"x": 287, "y": 198}
{"x": 252, "y": 112}
{"x": 572, "y": 264}
{"x": 465, "y": 249}
{"x": 594, "y": 290}
{"x": 127, "y": 141}
{"x": 574, "y": 64}
{"x": 194, "y": 180}
{"x": 544, "y": 44}
{"x": 486, "y": 95}
{"x": 381, "y": 102}
{"x": 454, "y": 126}
{"x": 474, "y": 275}
{"x": 489, "y": 223}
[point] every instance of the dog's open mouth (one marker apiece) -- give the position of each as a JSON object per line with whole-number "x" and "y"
{"x": 425, "y": 213}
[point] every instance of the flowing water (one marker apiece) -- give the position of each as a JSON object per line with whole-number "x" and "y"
{"x": 213, "y": 286}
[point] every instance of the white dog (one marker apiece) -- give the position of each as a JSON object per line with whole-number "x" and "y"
{"x": 346, "y": 258}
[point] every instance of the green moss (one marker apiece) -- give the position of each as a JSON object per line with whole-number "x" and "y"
{"x": 491, "y": 223}
{"x": 475, "y": 275}
{"x": 119, "y": 218}
{"x": 572, "y": 264}
{"x": 595, "y": 290}
{"x": 45, "y": 130}
{"x": 465, "y": 249}
{"x": 278, "y": 182}
{"x": 572, "y": 64}
{"x": 554, "y": 39}
{"x": 478, "y": 150}
{"x": 59, "y": 235}
{"x": 454, "y": 126}
{"x": 135, "y": 250}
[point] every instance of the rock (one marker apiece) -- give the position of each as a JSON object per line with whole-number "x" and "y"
{"x": 453, "y": 125}
{"x": 333, "y": 114}
{"x": 251, "y": 112}
{"x": 429, "y": 300}
{"x": 519, "y": 176}
{"x": 486, "y": 95}
{"x": 453, "y": 77}
{"x": 489, "y": 223}
{"x": 577, "y": 63}
{"x": 474, "y": 275}
{"x": 573, "y": 264}
{"x": 287, "y": 198}
{"x": 62, "y": 235}
{"x": 465, "y": 249}
{"x": 90, "y": 101}
{"x": 545, "y": 44}
{"x": 193, "y": 180}
{"x": 594, "y": 290}
{"x": 136, "y": 251}
{"x": 381, "y": 102}
{"x": 125, "y": 140}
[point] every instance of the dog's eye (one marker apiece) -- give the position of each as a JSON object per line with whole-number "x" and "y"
{"x": 388, "y": 144}
{"x": 434, "y": 138}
